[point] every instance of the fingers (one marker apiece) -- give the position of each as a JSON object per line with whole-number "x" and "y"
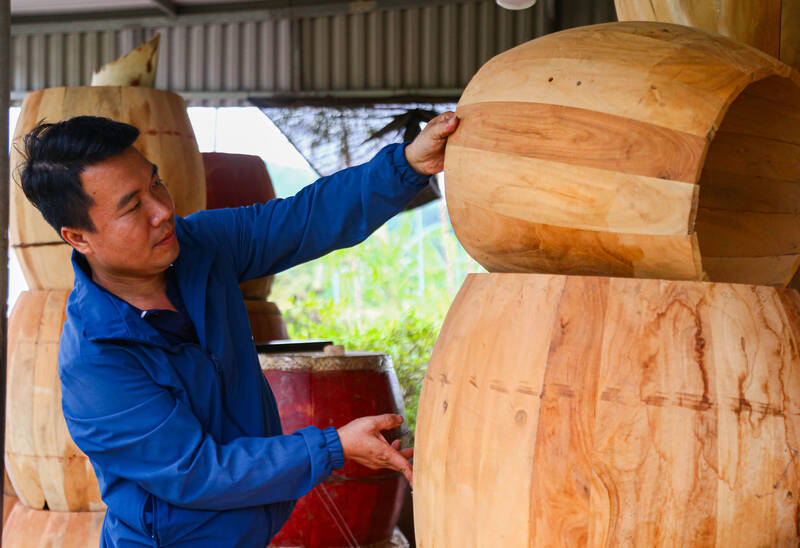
{"x": 387, "y": 422}
{"x": 396, "y": 461}
{"x": 443, "y": 125}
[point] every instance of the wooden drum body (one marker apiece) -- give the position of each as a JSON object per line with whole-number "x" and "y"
{"x": 266, "y": 321}
{"x": 43, "y": 463}
{"x": 166, "y": 138}
{"x": 234, "y": 180}
{"x": 772, "y": 26}
{"x": 630, "y": 149}
{"x": 28, "y": 528}
{"x": 355, "y": 506}
{"x": 585, "y": 411}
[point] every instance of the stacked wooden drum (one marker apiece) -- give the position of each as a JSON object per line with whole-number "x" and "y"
{"x": 234, "y": 180}
{"x": 54, "y": 480}
{"x": 564, "y": 410}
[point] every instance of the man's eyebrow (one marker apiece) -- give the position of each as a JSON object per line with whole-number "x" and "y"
{"x": 130, "y": 195}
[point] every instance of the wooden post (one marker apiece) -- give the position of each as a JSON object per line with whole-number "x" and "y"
{"x": 5, "y": 42}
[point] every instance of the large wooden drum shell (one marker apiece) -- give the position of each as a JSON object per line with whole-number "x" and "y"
{"x": 166, "y": 138}
{"x": 235, "y": 180}
{"x": 773, "y": 26}
{"x": 355, "y": 505}
{"x": 28, "y": 528}
{"x": 43, "y": 463}
{"x": 630, "y": 149}
{"x": 585, "y": 411}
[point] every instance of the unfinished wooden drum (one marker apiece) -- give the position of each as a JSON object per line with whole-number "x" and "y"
{"x": 235, "y": 180}
{"x": 589, "y": 411}
{"x": 266, "y": 321}
{"x": 630, "y": 149}
{"x": 28, "y": 528}
{"x": 44, "y": 464}
{"x": 166, "y": 138}
{"x": 772, "y": 26}
{"x": 356, "y": 506}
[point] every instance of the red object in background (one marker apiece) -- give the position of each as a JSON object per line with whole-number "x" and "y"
{"x": 356, "y": 506}
{"x": 234, "y": 180}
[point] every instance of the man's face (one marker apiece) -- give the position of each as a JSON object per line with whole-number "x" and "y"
{"x": 133, "y": 215}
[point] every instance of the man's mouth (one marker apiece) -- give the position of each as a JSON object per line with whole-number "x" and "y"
{"x": 167, "y": 239}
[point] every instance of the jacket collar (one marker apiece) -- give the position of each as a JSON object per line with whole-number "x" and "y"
{"x": 104, "y": 316}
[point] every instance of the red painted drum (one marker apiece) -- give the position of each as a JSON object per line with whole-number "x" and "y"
{"x": 356, "y": 506}
{"x": 266, "y": 321}
{"x": 234, "y": 180}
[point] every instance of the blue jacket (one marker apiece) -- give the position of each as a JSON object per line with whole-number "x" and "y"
{"x": 191, "y": 433}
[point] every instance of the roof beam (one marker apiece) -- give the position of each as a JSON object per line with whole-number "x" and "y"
{"x": 167, "y": 6}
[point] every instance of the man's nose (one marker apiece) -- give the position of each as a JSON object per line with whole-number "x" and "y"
{"x": 160, "y": 211}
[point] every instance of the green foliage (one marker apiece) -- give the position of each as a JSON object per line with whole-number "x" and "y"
{"x": 389, "y": 294}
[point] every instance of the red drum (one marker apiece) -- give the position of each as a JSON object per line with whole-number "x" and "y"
{"x": 234, "y": 180}
{"x": 356, "y": 506}
{"x": 266, "y": 321}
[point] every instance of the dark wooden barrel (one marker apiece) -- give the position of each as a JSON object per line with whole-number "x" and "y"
{"x": 234, "y": 180}
{"x": 266, "y": 321}
{"x": 355, "y": 506}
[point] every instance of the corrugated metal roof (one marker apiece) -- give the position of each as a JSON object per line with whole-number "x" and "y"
{"x": 423, "y": 50}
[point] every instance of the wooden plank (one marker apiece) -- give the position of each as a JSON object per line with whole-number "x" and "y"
{"x": 504, "y": 244}
{"x": 737, "y": 154}
{"x": 639, "y": 78}
{"x": 735, "y": 192}
{"x": 655, "y": 413}
{"x": 758, "y": 114}
{"x": 557, "y": 194}
{"x": 755, "y": 23}
{"x": 556, "y": 133}
{"x": 747, "y": 233}
{"x": 790, "y": 33}
{"x": 775, "y": 271}
{"x": 561, "y": 499}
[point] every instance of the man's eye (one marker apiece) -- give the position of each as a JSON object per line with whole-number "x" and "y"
{"x": 158, "y": 182}
{"x": 134, "y": 208}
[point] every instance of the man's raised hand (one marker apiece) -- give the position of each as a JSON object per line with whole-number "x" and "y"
{"x": 426, "y": 153}
{"x": 363, "y": 442}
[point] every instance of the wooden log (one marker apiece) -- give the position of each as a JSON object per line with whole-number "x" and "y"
{"x": 266, "y": 321}
{"x": 9, "y": 501}
{"x": 166, "y": 139}
{"x": 355, "y": 506}
{"x": 29, "y": 528}
{"x": 593, "y": 411}
{"x": 44, "y": 464}
{"x": 773, "y": 26}
{"x": 235, "y": 180}
{"x": 630, "y": 149}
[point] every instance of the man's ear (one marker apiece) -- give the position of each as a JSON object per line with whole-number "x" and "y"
{"x": 75, "y": 238}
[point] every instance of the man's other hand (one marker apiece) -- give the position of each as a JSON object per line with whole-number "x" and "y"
{"x": 426, "y": 153}
{"x": 363, "y": 442}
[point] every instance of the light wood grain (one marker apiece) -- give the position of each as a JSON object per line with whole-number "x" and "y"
{"x": 590, "y": 169}
{"x": 769, "y": 25}
{"x": 582, "y": 411}
{"x": 507, "y": 244}
{"x": 29, "y": 528}
{"x": 44, "y": 464}
{"x": 587, "y": 198}
{"x": 166, "y": 138}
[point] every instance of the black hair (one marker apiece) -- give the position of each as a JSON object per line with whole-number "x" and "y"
{"x": 55, "y": 156}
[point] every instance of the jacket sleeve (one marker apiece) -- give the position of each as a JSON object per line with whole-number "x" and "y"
{"x": 142, "y": 433}
{"x": 334, "y": 212}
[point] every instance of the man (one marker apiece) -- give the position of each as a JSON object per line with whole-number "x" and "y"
{"x": 161, "y": 386}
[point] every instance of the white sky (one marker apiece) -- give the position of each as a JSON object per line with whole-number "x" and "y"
{"x": 244, "y": 130}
